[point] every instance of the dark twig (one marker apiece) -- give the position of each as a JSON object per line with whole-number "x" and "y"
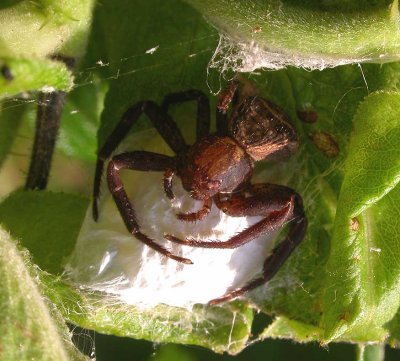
{"x": 50, "y": 107}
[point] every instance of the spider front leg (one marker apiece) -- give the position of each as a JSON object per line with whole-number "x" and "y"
{"x": 164, "y": 124}
{"x": 202, "y": 126}
{"x": 142, "y": 161}
{"x": 197, "y": 216}
{"x": 225, "y": 99}
{"x": 279, "y": 205}
{"x": 187, "y": 217}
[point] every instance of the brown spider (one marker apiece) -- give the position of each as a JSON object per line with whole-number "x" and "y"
{"x": 218, "y": 167}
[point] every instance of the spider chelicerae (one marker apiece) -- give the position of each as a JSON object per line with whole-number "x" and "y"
{"x": 216, "y": 169}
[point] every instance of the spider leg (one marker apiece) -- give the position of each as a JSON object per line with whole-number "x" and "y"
{"x": 197, "y": 216}
{"x": 280, "y": 253}
{"x": 142, "y": 161}
{"x": 273, "y": 263}
{"x": 279, "y": 205}
{"x": 270, "y": 223}
{"x": 274, "y": 202}
{"x": 225, "y": 100}
{"x": 164, "y": 124}
{"x": 48, "y": 118}
{"x": 50, "y": 107}
{"x": 188, "y": 217}
{"x": 203, "y": 108}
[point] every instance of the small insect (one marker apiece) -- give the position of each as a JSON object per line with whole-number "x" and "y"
{"x": 325, "y": 143}
{"x": 216, "y": 169}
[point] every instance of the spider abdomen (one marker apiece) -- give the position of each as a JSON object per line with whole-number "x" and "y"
{"x": 263, "y": 129}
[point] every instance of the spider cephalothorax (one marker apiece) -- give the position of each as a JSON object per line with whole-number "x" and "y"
{"x": 213, "y": 165}
{"x": 216, "y": 169}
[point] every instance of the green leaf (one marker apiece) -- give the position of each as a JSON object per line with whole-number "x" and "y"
{"x": 45, "y": 223}
{"x": 33, "y": 74}
{"x": 80, "y": 121}
{"x": 363, "y": 274}
{"x": 31, "y": 327}
{"x": 31, "y": 32}
{"x": 219, "y": 329}
{"x": 284, "y": 328}
{"x": 296, "y": 292}
{"x": 266, "y": 34}
{"x": 44, "y": 27}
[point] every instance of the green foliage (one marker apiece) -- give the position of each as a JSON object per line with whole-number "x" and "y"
{"x": 331, "y": 32}
{"x": 40, "y": 28}
{"x": 45, "y": 223}
{"x": 80, "y": 120}
{"x": 33, "y": 31}
{"x": 34, "y": 74}
{"x": 363, "y": 259}
{"x": 31, "y": 328}
{"x": 342, "y": 284}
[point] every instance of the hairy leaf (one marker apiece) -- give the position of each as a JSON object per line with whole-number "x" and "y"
{"x": 267, "y": 34}
{"x": 45, "y": 27}
{"x": 32, "y": 32}
{"x": 363, "y": 275}
{"x": 33, "y": 74}
{"x": 31, "y": 327}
